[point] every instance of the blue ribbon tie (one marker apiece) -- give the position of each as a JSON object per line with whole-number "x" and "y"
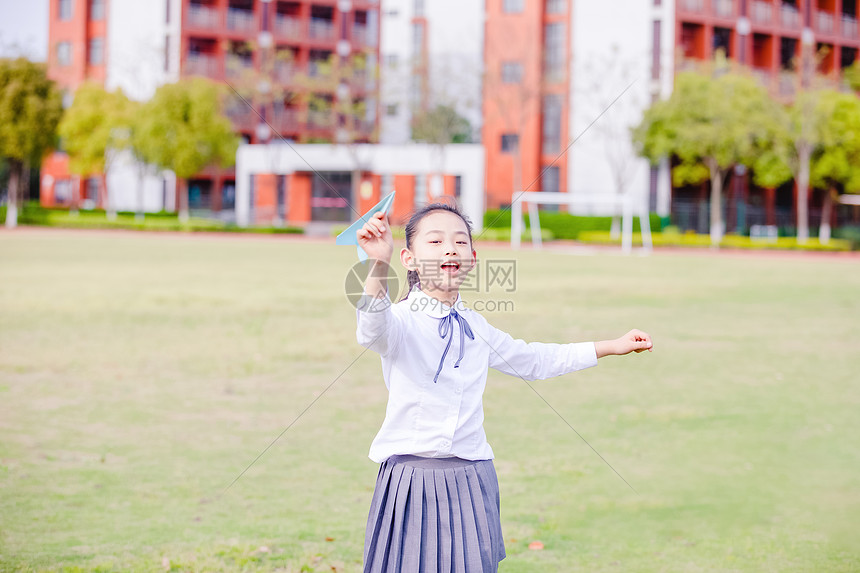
{"x": 446, "y": 330}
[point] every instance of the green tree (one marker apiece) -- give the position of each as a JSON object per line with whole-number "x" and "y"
{"x": 30, "y": 109}
{"x": 93, "y": 129}
{"x": 441, "y": 125}
{"x": 712, "y": 122}
{"x": 815, "y": 141}
{"x": 182, "y": 128}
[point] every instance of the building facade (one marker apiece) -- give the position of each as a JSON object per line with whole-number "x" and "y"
{"x": 273, "y": 50}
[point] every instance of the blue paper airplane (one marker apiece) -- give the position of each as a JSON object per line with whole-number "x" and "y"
{"x": 350, "y": 235}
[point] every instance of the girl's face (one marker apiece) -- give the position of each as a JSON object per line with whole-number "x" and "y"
{"x": 441, "y": 252}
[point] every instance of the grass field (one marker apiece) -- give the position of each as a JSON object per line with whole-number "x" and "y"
{"x": 140, "y": 374}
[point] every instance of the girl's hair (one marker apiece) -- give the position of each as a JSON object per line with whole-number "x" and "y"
{"x": 412, "y": 227}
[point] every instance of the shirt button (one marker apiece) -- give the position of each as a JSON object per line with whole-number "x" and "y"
{"x": 457, "y": 389}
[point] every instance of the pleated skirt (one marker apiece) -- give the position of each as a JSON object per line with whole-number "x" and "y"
{"x": 431, "y": 515}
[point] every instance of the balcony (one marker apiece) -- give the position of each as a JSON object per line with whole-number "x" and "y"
{"x": 201, "y": 65}
{"x": 322, "y": 30}
{"x": 849, "y": 27}
{"x": 789, "y": 16}
{"x": 288, "y": 27}
{"x": 201, "y": 16}
{"x": 284, "y": 120}
{"x": 724, "y": 8}
{"x": 359, "y": 35}
{"x": 240, "y": 20}
{"x": 824, "y": 22}
{"x": 236, "y": 64}
{"x": 320, "y": 119}
{"x": 285, "y": 72}
{"x": 787, "y": 84}
{"x": 693, "y": 5}
{"x": 761, "y": 12}
{"x": 241, "y": 115}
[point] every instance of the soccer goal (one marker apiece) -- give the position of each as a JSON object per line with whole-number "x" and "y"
{"x": 622, "y": 204}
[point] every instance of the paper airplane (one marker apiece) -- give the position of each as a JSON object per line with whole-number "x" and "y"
{"x": 350, "y": 235}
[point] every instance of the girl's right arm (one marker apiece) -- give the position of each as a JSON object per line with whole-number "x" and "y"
{"x": 378, "y": 327}
{"x": 376, "y": 240}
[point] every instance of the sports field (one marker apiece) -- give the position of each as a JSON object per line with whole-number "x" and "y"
{"x": 141, "y": 373}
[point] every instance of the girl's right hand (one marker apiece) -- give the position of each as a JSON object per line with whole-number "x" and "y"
{"x": 375, "y": 237}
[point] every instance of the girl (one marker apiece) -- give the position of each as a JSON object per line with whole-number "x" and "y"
{"x": 436, "y": 502}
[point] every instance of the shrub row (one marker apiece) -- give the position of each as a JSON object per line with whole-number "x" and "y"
{"x": 35, "y": 214}
{"x": 565, "y": 225}
{"x": 729, "y": 241}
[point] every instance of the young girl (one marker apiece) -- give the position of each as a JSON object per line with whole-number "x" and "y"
{"x": 436, "y": 502}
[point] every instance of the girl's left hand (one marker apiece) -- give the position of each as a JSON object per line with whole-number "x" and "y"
{"x": 634, "y": 341}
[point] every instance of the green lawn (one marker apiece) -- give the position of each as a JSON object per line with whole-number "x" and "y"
{"x": 141, "y": 373}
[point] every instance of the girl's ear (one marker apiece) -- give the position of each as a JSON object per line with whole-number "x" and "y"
{"x": 408, "y": 259}
{"x": 474, "y": 259}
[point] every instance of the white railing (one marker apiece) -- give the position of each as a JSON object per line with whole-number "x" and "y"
{"x": 849, "y": 27}
{"x": 787, "y": 83}
{"x": 237, "y": 64}
{"x": 693, "y": 5}
{"x": 288, "y": 27}
{"x": 240, "y": 20}
{"x": 764, "y": 76}
{"x": 201, "y": 65}
{"x": 201, "y": 16}
{"x": 359, "y": 35}
{"x": 761, "y": 12}
{"x": 285, "y": 119}
{"x": 284, "y": 72}
{"x": 824, "y": 22}
{"x": 319, "y": 119}
{"x": 789, "y": 16}
{"x": 321, "y": 29}
{"x": 725, "y": 8}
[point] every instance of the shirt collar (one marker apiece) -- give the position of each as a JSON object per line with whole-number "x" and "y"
{"x": 431, "y": 306}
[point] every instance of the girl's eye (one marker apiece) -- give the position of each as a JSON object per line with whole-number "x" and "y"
{"x": 435, "y": 241}
{"x": 461, "y": 242}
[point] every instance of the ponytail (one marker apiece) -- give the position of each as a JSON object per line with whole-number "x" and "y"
{"x": 412, "y": 279}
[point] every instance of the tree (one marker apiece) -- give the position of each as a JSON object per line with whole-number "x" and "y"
{"x": 97, "y": 125}
{"x": 183, "y": 129}
{"x": 711, "y": 123}
{"x": 30, "y": 109}
{"x": 817, "y": 142}
{"x": 441, "y": 125}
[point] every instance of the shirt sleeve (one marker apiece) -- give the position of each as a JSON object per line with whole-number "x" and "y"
{"x": 379, "y": 326}
{"x": 538, "y": 360}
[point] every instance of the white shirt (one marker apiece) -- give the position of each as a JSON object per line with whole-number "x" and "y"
{"x": 445, "y": 418}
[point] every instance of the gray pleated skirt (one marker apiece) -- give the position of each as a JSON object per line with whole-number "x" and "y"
{"x": 434, "y": 514}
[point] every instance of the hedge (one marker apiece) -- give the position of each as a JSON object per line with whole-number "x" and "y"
{"x": 729, "y": 241}
{"x": 565, "y": 225}
{"x": 35, "y": 214}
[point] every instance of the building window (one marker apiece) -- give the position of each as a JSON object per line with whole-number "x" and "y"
{"x": 510, "y": 142}
{"x": 458, "y": 185}
{"x": 167, "y": 11}
{"x": 554, "y": 51}
{"x": 549, "y": 180}
{"x": 512, "y": 72}
{"x": 556, "y": 6}
{"x": 97, "y": 10}
{"x": 387, "y": 184}
{"x": 512, "y": 6}
{"x": 418, "y": 8}
{"x": 391, "y": 60}
{"x": 551, "y": 123}
{"x": 655, "y": 50}
{"x": 64, "y": 53}
{"x": 65, "y": 9}
{"x": 95, "y": 55}
{"x": 167, "y": 53}
{"x": 391, "y": 109}
{"x": 62, "y": 191}
{"x": 420, "y": 191}
{"x": 417, "y": 42}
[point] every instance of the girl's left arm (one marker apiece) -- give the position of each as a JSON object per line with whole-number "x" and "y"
{"x": 633, "y": 341}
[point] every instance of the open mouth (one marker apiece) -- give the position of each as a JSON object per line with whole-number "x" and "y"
{"x": 451, "y": 266}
